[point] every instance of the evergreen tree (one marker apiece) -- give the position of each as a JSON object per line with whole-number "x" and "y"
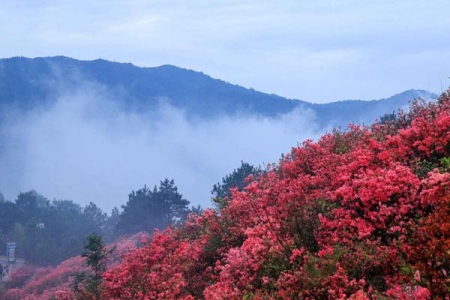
{"x": 221, "y": 191}
{"x": 387, "y": 118}
{"x": 111, "y": 224}
{"x": 148, "y": 209}
{"x": 88, "y": 286}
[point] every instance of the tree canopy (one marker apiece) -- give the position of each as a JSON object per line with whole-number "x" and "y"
{"x": 222, "y": 191}
{"x": 47, "y": 232}
{"x": 148, "y": 209}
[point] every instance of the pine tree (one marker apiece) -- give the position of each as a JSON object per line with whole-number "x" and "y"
{"x": 88, "y": 286}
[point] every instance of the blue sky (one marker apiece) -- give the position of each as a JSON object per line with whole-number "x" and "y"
{"x": 317, "y": 51}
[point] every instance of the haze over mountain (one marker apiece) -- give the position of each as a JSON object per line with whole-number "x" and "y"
{"x": 95, "y": 130}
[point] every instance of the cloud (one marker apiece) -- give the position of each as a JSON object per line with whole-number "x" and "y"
{"x": 86, "y": 148}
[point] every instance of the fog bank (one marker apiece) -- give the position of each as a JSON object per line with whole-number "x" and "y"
{"x": 86, "y": 148}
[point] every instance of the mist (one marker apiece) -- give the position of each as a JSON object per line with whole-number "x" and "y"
{"x": 85, "y": 147}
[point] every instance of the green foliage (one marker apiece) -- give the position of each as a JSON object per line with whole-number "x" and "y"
{"x": 445, "y": 163}
{"x": 197, "y": 210}
{"x": 109, "y": 228}
{"x": 96, "y": 254}
{"x": 88, "y": 286}
{"x": 388, "y": 118}
{"x": 47, "y": 232}
{"x": 149, "y": 209}
{"x": 423, "y": 167}
{"x": 221, "y": 191}
{"x": 340, "y": 144}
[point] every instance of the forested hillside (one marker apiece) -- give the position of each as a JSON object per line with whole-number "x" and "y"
{"x": 48, "y": 232}
{"x": 359, "y": 214}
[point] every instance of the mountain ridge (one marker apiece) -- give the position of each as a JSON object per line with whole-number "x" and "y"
{"x": 29, "y": 82}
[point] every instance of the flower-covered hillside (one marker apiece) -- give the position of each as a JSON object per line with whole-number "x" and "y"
{"x": 361, "y": 214}
{"x": 57, "y": 283}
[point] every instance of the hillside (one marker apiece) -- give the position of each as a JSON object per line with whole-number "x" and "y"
{"x": 357, "y": 215}
{"x": 362, "y": 214}
{"x": 27, "y": 83}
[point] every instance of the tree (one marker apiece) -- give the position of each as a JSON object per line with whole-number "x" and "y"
{"x": 386, "y": 118}
{"x": 197, "y": 210}
{"x": 95, "y": 217}
{"x": 221, "y": 191}
{"x": 177, "y": 206}
{"x": 111, "y": 224}
{"x": 9, "y": 216}
{"x": 32, "y": 206}
{"x": 47, "y": 232}
{"x": 88, "y": 286}
{"x": 149, "y": 209}
{"x": 64, "y": 231}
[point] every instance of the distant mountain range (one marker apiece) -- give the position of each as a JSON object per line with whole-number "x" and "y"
{"x": 27, "y": 83}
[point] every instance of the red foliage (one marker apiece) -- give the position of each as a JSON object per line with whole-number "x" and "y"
{"x": 47, "y": 282}
{"x": 19, "y": 276}
{"x": 56, "y": 283}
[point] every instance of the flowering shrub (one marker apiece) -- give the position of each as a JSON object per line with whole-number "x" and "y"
{"x": 19, "y": 276}
{"x": 56, "y": 283}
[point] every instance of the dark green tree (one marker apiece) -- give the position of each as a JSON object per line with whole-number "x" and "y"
{"x": 111, "y": 222}
{"x": 88, "y": 285}
{"x": 221, "y": 191}
{"x": 148, "y": 209}
{"x": 175, "y": 206}
{"x": 387, "y": 118}
{"x": 140, "y": 212}
{"x": 32, "y": 207}
{"x": 198, "y": 210}
{"x": 10, "y": 215}
{"x": 65, "y": 228}
{"x": 95, "y": 217}
{"x": 45, "y": 232}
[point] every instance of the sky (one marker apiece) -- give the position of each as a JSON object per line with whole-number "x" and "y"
{"x": 313, "y": 50}
{"x": 318, "y": 51}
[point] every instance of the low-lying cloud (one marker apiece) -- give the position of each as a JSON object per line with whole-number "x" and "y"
{"x": 86, "y": 148}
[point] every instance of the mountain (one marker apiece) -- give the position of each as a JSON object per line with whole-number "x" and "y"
{"x": 26, "y": 83}
{"x": 341, "y": 113}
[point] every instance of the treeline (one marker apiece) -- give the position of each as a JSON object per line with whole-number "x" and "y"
{"x": 48, "y": 232}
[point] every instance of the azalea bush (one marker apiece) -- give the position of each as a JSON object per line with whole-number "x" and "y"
{"x": 57, "y": 282}
{"x": 19, "y": 276}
